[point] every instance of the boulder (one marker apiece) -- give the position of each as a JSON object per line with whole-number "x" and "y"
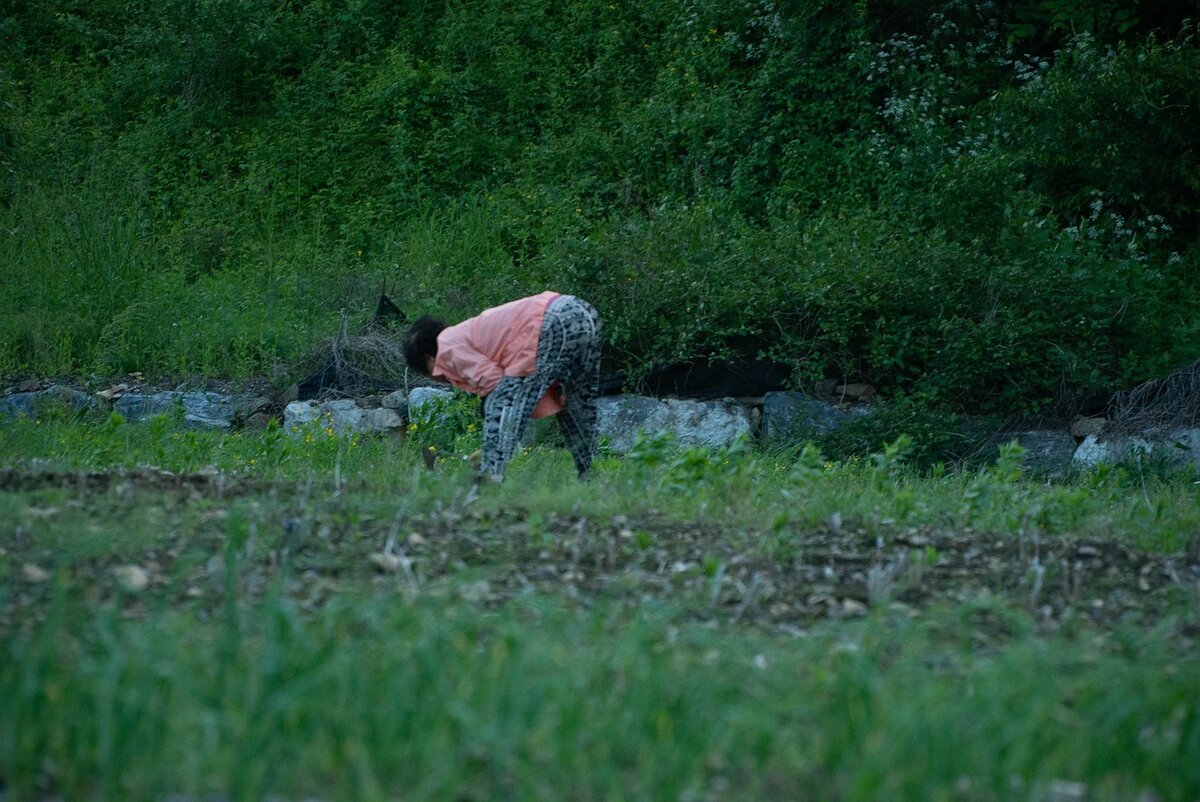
{"x": 246, "y": 407}
{"x": 300, "y": 413}
{"x": 1048, "y": 452}
{"x": 380, "y": 420}
{"x": 788, "y": 417}
{"x": 19, "y": 405}
{"x": 397, "y": 400}
{"x": 208, "y": 410}
{"x": 715, "y": 424}
{"x": 342, "y": 415}
{"x": 201, "y": 410}
{"x": 29, "y": 404}
{"x": 1176, "y": 448}
{"x": 135, "y": 407}
{"x": 422, "y": 399}
{"x": 76, "y": 399}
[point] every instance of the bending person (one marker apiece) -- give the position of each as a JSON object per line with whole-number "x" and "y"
{"x": 530, "y": 358}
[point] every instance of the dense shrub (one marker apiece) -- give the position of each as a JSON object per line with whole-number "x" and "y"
{"x": 961, "y": 200}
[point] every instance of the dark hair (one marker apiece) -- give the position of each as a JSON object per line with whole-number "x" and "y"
{"x": 421, "y": 343}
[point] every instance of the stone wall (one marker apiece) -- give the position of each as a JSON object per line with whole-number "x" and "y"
{"x": 777, "y": 419}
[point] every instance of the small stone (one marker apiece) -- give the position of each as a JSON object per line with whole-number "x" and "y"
{"x": 1066, "y": 791}
{"x": 112, "y": 392}
{"x": 131, "y": 578}
{"x": 855, "y": 392}
{"x": 386, "y": 561}
{"x": 33, "y": 573}
{"x": 475, "y": 592}
{"x": 853, "y": 608}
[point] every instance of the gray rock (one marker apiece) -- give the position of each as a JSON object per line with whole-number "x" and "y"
{"x": 791, "y": 417}
{"x": 135, "y": 407}
{"x": 620, "y": 418}
{"x": 300, "y": 413}
{"x": 19, "y": 405}
{"x": 76, "y": 399}
{"x": 715, "y": 424}
{"x": 422, "y": 399}
{"x": 1183, "y": 446}
{"x": 397, "y": 400}
{"x": 1176, "y": 448}
{"x": 1048, "y": 452}
{"x": 380, "y": 420}
{"x": 208, "y": 410}
{"x": 342, "y": 415}
{"x": 30, "y": 404}
{"x": 247, "y": 406}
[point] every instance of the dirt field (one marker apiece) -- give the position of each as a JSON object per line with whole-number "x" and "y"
{"x": 781, "y": 578}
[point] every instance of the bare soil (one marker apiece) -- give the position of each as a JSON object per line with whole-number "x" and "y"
{"x": 783, "y": 581}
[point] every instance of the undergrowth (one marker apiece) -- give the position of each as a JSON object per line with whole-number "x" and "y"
{"x": 269, "y": 646}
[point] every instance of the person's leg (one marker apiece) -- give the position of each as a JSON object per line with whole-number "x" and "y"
{"x": 578, "y": 424}
{"x": 506, "y": 412}
{"x": 581, "y": 381}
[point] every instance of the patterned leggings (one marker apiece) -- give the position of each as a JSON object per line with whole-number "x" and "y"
{"x": 568, "y": 353}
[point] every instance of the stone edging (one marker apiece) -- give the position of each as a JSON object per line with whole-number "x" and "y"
{"x": 779, "y": 419}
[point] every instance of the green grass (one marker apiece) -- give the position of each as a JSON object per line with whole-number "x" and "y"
{"x": 554, "y": 640}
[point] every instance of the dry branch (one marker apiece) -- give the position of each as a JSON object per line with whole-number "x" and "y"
{"x": 1169, "y": 403}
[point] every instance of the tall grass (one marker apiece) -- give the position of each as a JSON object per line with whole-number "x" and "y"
{"x": 761, "y": 490}
{"x": 246, "y": 670}
{"x": 377, "y": 698}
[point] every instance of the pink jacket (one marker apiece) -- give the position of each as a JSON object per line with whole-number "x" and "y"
{"x": 477, "y": 353}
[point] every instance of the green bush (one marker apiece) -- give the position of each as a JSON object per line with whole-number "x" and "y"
{"x": 931, "y": 436}
{"x": 924, "y": 196}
